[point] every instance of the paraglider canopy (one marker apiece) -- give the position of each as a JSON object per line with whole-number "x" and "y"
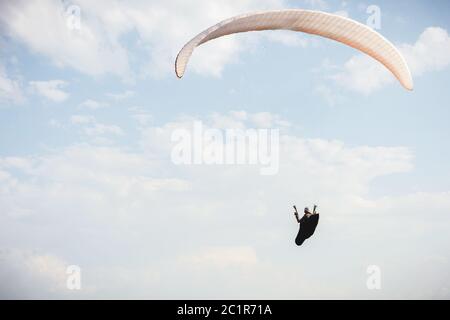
{"x": 341, "y": 29}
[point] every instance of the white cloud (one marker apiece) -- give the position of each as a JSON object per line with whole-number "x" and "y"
{"x": 221, "y": 257}
{"x": 241, "y": 119}
{"x": 96, "y": 48}
{"x": 92, "y": 127}
{"x": 90, "y": 49}
{"x": 26, "y": 275}
{"x": 142, "y": 118}
{"x": 362, "y": 74}
{"x": 167, "y": 37}
{"x": 121, "y": 95}
{"x": 52, "y": 90}
{"x": 328, "y": 94}
{"x": 10, "y": 89}
{"x": 93, "y": 104}
{"x": 431, "y": 52}
{"x": 82, "y": 119}
{"x": 103, "y": 129}
{"x": 140, "y": 115}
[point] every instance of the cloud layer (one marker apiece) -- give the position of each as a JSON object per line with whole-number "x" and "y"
{"x": 431, "y": 52}
{"x": 89, "y": 37}
{"x": 156, "y": 228}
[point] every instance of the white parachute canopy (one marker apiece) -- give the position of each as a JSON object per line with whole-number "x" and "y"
{"x": 341, "y": 29}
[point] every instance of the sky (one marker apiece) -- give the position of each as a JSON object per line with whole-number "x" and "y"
{"x": 89, "y": 101}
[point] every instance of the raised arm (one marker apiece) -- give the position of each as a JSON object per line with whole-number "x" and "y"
{"x": 296, "y": 214}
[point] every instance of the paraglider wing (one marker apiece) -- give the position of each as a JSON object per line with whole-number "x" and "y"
{"x": 327, "y": 25}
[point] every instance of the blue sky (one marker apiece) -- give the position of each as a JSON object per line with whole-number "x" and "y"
{"x": 86, "y": 176}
